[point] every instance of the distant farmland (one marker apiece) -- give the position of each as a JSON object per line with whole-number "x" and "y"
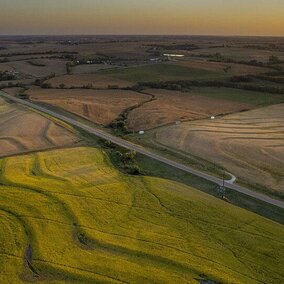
{"x": 162, "y": 72}
{"x": 238, "y": 95}
{"x": 238, "y": 53}
{"x": 172, "y": 106}
{"x": 248, "y": 144}
{"x": 85, "y": 222}
{"x": 36, "y": 67}
{"x": 190, "y": 69}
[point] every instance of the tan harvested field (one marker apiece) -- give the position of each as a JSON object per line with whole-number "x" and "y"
{"x": 56, "y": 66}
{"x": 22, "y": 130}
{"x": 99, "y": 106}
{"x": 250, "y": 145}
{"x": 232, "y": 69}
{"x": 97, "y": 81}
{"x": 171, "y": 106}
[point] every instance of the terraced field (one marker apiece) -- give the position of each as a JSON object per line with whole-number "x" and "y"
{"x": 22, "y": 130}
{"x": 99, "y": 106}
{"x": 250, "y": 144}
{"x": 172, "y": 106}
{"x": 86, "y": 222}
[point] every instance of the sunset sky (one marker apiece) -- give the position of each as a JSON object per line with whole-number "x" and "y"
{"x": 209, "y": 17}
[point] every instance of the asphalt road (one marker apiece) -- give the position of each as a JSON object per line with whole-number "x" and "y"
{"x": 144, "y": 151}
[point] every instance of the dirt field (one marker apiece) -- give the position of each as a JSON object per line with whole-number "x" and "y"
{"x": 97, "y": 81}
{"x": 56, "y": 66}
{"x": 22, "y": 130}
{"x": 171, "y": 106}
{"x": 99, "y": 106}
{"x": 250, "y": 144}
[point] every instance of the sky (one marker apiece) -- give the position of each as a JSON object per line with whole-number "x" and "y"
{"x": 184, "y": 17}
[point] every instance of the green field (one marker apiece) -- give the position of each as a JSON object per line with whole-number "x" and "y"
{"x": 238, "y": 95}
{"x": 162, "y": 72}
{"x": 69, "y": 216}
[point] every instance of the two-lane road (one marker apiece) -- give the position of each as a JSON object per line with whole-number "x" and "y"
{"x": 143, "y": 151}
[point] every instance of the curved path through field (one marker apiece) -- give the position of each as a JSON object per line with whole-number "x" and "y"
{"x": 143, "y": 151}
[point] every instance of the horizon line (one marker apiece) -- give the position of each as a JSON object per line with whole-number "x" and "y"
{"x": 170, "y": 35}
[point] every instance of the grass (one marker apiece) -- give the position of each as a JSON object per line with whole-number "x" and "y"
{"x": 160, "y": 72}
{"x": 149, "y": 140}
{"x": 245, "y": 144}
{"x": 87, "y": 222}
{"x": 238, "y": 95}
{"x": 156, "y": 169}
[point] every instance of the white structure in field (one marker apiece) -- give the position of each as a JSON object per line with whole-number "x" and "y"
{"x": 172, "y": 56}
{"x": 212, "y": 117}
{"x": 141, "y": 132}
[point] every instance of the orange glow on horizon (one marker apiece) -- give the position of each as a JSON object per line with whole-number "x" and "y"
{"x": 72, "y": 18}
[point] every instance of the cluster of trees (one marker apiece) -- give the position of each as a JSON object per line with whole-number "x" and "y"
{"x": 218, "y": 57}
{"x": 12, "y": 85}
{"x": 41, "y": 82}
{"x": 4, "y": 60}
{"x": 68, "y": 68}
{"x": 125, "y": 160}
{"x": 96, "y": 60}
{"x": 23, "y": 95}
{"x": 235, "y": 82}
{"x": 119, "y": 125}
{"x": 128, "y": 162}
{"x": 36, "y": 63}
{"x": 274, "y": 60}
{"x": 184, "y": 46}
{"x": 6, "y": 76}
{"x": 50, "y": 52}
{"x": 271, "y": 46}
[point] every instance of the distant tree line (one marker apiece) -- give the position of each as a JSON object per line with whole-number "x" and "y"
{"x": 6, "y": 76}
{"x": 218, "y": 57}
{"x": 184, "y": 46}
{"x": 237, "y": 82}
{"x": 38, "y": 53}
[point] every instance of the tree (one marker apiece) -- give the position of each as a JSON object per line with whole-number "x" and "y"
{"x": 68, "y": 68}
{"x": 274, "y": 59}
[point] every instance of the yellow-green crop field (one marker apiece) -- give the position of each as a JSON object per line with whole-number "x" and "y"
{"x": 69, "y": 216}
